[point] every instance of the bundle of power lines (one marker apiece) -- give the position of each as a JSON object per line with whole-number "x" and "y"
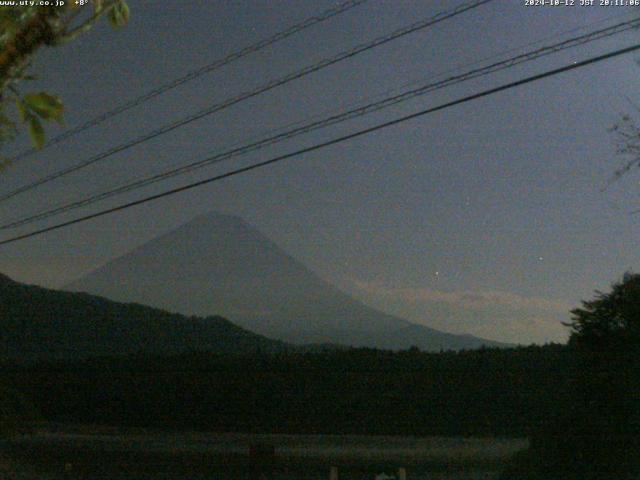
{"x": 361, "y": 108}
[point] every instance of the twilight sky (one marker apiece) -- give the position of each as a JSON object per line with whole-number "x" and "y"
{"x": 487, "y": 218}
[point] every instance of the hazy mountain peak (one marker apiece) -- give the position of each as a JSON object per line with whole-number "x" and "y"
{"x": 215, "y": 219}
{"x": 219, "y": 264}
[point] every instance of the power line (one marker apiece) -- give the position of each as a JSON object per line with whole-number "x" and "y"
{"x": 334, "y": 119}
{"x": 193, "y": 74}
{"x": 494, "y": 56}
{"x": 508, "y": 63}
{"x": 485, "y": 93}
{"x": 244, "y": 96}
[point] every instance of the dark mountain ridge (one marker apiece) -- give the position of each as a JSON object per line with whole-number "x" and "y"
{"x": 38, "y": 323}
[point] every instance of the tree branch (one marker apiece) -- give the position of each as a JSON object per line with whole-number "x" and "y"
{"x": 35, "y": 33}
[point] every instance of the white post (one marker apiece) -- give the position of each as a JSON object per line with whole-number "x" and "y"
{"x": 333, "y": 473}
{"x": 402, "y": 474}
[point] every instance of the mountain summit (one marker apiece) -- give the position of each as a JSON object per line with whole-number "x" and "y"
{"x": 219, "y": 265}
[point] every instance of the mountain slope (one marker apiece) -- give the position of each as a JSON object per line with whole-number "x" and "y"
{"x": 219, "y": 264}
{"x": 37, "y": 323}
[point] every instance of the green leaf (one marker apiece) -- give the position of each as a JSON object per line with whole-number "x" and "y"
{"x": 119, "y": 14}
{"x": 23, "y": 110}
{"x": 113, "y": 19}
{"x": 36, "y": 131}
{"x": 5, "y": 163}
{"x": 47, "y": 106}
{"x": 4, "y": 120}
{"x": 7, "y": 18}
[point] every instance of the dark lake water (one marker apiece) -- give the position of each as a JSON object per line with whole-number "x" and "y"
{"x": 204, "y": 456}
{"x": 301, "y": 475}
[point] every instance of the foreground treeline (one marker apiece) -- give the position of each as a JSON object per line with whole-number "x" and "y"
{"x": 579, "y": 404}
{"x": 360, "y": 391}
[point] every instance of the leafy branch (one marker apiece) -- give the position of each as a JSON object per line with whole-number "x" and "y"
{"x": 23, "y": 31}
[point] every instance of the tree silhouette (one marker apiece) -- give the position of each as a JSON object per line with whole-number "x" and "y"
{"x": 594, "y": 434}
{"x": 612, "y": 320}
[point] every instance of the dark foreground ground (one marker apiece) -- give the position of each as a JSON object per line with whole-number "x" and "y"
{"x": 83, "y": 453}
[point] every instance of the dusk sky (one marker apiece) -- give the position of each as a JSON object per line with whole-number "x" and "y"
{"x": 489, "y": 218}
